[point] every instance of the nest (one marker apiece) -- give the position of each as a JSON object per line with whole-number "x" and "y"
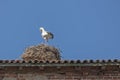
{"x": 41, "y": 52}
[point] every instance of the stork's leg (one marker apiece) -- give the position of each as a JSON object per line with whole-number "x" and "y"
{"x": 45, "y": 41}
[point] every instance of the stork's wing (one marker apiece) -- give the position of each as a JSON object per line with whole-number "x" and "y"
{"x": 51, "y": 35}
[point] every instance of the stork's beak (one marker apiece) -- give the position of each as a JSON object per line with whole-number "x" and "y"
{"x": 40, "y": 30}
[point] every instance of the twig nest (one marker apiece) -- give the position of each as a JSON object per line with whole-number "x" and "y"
{"x": 41, "y": 52}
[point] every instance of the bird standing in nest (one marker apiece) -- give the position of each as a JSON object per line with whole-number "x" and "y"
{"x": 45, "y": 34}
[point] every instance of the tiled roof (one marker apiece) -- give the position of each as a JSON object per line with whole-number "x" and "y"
{"x": 59, "y": 63}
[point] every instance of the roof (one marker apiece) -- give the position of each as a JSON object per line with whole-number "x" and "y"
{"x": 60, "y": 63}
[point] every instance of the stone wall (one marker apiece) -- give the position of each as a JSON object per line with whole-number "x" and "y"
{"x": 60, "y": 73}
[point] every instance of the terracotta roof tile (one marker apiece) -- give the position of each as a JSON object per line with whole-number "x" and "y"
{"x": 61, "y": 62}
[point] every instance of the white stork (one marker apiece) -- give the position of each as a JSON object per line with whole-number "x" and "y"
{"x": 45, "y": 34}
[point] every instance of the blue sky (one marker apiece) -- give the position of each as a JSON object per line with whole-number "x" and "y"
{"x": 83, "y": 29}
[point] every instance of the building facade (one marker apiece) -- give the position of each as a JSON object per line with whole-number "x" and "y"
{"x": 60, "y": 70}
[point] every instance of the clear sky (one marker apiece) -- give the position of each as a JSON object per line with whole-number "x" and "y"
{"x": 83, "y": 29}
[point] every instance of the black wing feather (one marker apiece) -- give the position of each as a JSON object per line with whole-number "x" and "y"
{"x": 51, "y": 35}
